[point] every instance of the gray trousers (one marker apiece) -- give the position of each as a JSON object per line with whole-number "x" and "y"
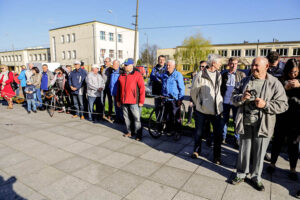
{"x": 132, "y": 117}
{"x": 251, "y": 145}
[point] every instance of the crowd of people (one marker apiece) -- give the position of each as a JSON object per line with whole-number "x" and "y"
{"x": 264, "y": 103}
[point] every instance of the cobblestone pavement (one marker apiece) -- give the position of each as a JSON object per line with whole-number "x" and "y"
{"x": 63, "y": 158}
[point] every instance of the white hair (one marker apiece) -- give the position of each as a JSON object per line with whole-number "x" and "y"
{"x": 172, "y": 62}
{"x": 116, "y": 61}
{"x": 211, "y": 58}
{"x": 95, "y": 66}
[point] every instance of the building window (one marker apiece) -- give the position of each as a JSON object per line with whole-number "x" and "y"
{"x": 236, "y": 52}
{"x": 250, "y": 52}
{"x": 63, "y": 55}
{"x": 62, "y": 38}
{"x": 102, "y": 35}
{"x": 282, "y": 52}
{"x": 35, "y": 57}
{"x": 30, "y": 57}
{"x": 120, "y": 38}
{"x": 68, "y": 38}
{"x": 186, "y": 67}
{"x": 20, "y": 58}
{"x": 296, "y": 52}
{"x": 111, "y": 53}
{"x": 264, "y": 52}
{"x": 69, "y": 55}
{"x": 73, "y": 37}
{"x": 44, "y": 56}
{"x": 74, "y": 54}
{"x": 120, "y": 54}
{"x": 2, "y": 59}
{"x": 40, "y": 56}
{"x": 102, "y": 53}
{"x": 111, "y": 37}
{"x": 223, "y": 53}
{"x": 16, "y": 58}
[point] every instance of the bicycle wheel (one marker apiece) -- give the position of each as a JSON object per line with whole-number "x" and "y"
{"x": 182, "y": 113}
{"x": 155, "y": 125}
{"x": 51, "y": 107}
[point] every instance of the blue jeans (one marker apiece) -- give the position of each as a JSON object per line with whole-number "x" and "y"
{"x": 118, "y": 110}
{"x": 94, "y": 101}
{"x": 215, "y": 120}
{"x": 78, "y": 104}
{"x": 132, "y": 116}
{"x": 31, "y": 102}
{"x": 39, "y": 100}
{"x": 226, "y": 114}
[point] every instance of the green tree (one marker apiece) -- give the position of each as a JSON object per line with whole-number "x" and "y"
{"x": 193, "y": 49}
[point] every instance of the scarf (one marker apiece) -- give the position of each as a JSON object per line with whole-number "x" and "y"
{"x": 5, "y": 78}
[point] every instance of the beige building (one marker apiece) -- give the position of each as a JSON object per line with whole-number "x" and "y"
{"x": 245, "y": 51}
{"x": 91, "y": 42}
{"x": 15, "y": 59}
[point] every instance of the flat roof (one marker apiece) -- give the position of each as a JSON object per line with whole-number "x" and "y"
{"x": 89, "y": 23}
{"x": 256, "y": 43}
{"x": 28, "y": 49}
{"x": 251, "y": 43}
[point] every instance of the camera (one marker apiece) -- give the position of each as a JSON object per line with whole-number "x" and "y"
{"x": 253, "y": 94}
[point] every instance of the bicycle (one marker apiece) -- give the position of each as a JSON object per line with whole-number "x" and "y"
{"x": 51, "y": 97}
{"x": 157, "y": 122}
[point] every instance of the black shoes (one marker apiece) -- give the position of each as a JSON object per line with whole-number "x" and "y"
{"x": 34, "y": 111}
{"x": 237, "y": 180}
{"x": 28, "y": 112}
{"x": 258, "y": 185}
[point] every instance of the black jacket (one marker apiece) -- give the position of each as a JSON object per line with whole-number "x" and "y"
{"x": 238, "y": 77}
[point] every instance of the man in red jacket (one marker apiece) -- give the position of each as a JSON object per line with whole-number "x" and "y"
{"x": 131, "y": 96}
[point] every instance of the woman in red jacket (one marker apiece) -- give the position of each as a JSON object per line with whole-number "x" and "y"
{"x": 6, "y": 78}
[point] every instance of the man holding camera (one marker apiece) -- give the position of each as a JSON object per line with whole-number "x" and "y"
{"x": 259, "y": 97}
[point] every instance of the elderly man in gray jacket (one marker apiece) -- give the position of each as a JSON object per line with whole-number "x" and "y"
{"x": 259, "y": 97}
{"x": 95, "y": 86}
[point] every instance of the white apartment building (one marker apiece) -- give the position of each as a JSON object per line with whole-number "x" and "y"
{"x": 15, "y": 59}
{"x": 91, "y": 42}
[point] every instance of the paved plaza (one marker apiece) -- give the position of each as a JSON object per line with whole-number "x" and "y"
{"x": 63, "y": 158}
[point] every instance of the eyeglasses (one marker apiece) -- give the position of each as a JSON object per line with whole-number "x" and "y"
{"x": 294, "y": 72}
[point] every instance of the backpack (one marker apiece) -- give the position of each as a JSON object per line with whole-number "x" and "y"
{"x": 14, "y": 85}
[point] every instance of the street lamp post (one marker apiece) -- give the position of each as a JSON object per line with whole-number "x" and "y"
{"x": 147, "y": 50}
{"x": 116, "y": 31}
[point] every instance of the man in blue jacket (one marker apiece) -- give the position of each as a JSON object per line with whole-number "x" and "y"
{"x": 156, "y": 79}
{"x": 113, "y": 86}
{"x": 77, "y": 77}
{"x": 173, "y": 88}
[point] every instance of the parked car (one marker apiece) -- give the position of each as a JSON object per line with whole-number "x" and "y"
{"x": 148, "y": 89}
{"x": 142, "y": 70}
